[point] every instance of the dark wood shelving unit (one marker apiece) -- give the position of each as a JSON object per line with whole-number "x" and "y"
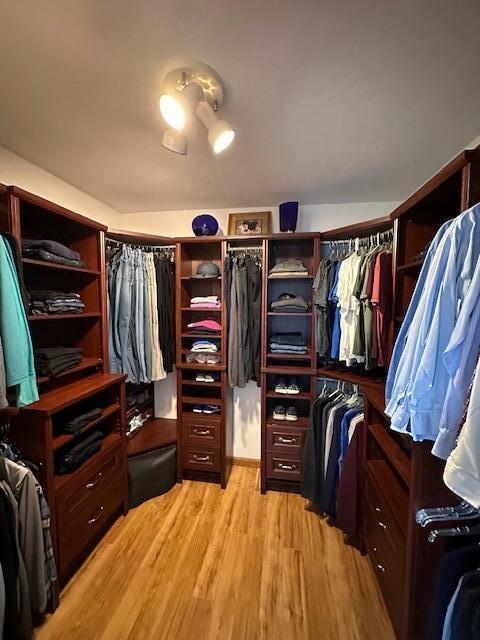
{"x": 37, "y": 428}
{"x": 281, "y": 440}
{"x": 205, "y": 441}
{"x": 155, "y": 434}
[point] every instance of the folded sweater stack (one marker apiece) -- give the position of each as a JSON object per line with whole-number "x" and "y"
{"x": 51, "y": 251}
{"x": 288, "y": 267}
{"x": 290, "y": 303}
{"x": 293, "y": 342}
{"x": 51, "y": 361}
{"x": 205, "y": 346}
{"x": 205, "y": 302}
{"x": 51, "y": 302}
{"x": 208, "y": 327}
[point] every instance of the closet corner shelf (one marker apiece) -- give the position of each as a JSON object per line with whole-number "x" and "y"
{"x": 289, "y": 356}
{"x": 393, "y": 452}
{"x": 107, "y": 443}
{"x": 201, "y": 400}
{"x": 65, "y": 316}
{"x": 291, "y": 277}
{"x": 303, "y": 395}
{"x": 301, "y": 422}
{"x": 337, "y": 373}
{"x": 86, "y": 363}
{"x": 154, "y": 434}
{"x": 410, "y": 266}
{"x": 65, "y": 438}
{"x": 60, "y": 267}
{"x": 202, "y": 309}
{"x": 304, "y": 314}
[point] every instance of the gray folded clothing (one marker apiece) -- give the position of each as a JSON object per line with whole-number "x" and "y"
{"x": 298, "y": 302}
{"x": 289, "y": 265}
{"x": 77, "y": 423}
{"x": 51, "y": 246}
{"x": 294, "y": 338}
{"x": 46, "y": 256}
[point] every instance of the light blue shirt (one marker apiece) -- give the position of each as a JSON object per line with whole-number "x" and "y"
{"x": 15, "y": 332}
{"x": 420, "y": 393}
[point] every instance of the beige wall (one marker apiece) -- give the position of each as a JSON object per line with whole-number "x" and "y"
{"x": 14, "y": 170}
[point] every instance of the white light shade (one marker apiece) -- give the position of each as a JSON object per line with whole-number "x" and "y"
{"x": 220, "y": 133}
{"x": 172, "y": 111}
{"x": 175, "y": 141}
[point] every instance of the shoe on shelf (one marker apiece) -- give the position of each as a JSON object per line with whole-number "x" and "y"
{"x": 279, "y": 412}
{"x": 291, "y": 414}
{"x": 281, "y": 386}
{"x": 197, "y": 408}
{"x": 293, "y": 388}
{"x": 211, "y": 408}
{"x": 210, "y": 377}
{"x": 199, "y": 377}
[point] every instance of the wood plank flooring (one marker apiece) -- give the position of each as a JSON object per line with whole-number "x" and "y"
{"x": 200, "y": 563}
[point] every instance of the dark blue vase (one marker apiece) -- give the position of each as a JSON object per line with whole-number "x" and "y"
{"x": 204, "y": 225}
{"x": 288, "y": 216}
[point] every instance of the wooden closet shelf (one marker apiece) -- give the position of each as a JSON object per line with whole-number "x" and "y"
{"x": 398, "y": 459}
{"x": 352, "y": 376}
{"x": 201, "y": 400}
{"x": 86, "y": 363}
{"x": 304, "y": 314}
{"x": 66, "y": 316}
{"x": 289, "y": 396}
{"x": 290, "y": 356}
{"x": 289, "y": 370}
{"x": 202, "y": 309}
{"x": 301, "y": 422}
{"x": 410, "y": 266}
{"x": 197, "y": 366}
{"x": 209, "y": 353}
{"x": 107, "y": 443}
{"x": 59, "y": 267}
{"x": 201, "y": 335}
{"x": 193, "y": 279}
{"x": 291, "y": 277}
{"x": 199, "y": 383}
{"x": 65, "y": 438}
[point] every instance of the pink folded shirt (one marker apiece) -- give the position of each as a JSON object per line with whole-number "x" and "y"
{"x": 206, "y": 324}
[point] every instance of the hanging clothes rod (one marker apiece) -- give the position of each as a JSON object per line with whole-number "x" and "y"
{"x": 140, "y": 244}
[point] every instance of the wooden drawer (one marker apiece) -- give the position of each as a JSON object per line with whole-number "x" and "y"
{"x": 284, "y": 466}
{"x": 88, "y": 482}
{"x": 201, "y": 432}
{"x": 76, "y": 532}
{"x": 286, "y": 439}
{"x": 386, "y": 494}
{"x": 203, "y": 459}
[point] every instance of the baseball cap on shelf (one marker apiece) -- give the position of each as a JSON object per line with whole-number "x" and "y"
{"x": 207, "y": 270}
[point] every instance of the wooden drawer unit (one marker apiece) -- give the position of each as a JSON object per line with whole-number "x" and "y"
{"x": 201, "y": 459}
{"x": 201, "y": 431}
{"x": 86, "y": 483}
{"x": 284, "y": 466}
{"x": 286, "y": 439}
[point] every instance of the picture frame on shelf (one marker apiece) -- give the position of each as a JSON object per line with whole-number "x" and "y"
{"x": 250, "y": 224}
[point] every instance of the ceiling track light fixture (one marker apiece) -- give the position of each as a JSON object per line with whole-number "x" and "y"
{"x": 193, "y": 88}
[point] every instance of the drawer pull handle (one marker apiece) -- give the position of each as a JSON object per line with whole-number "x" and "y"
{"x": 378, "y": 510}
{"x": 287, "y": 440}
{"x": 382, "y": 525}
{"x": 201, "y": 432}
{"x": 92, "y": 485}
{"x": 381, "y": 567}
{"x": 94, "y": 520}
{"x": 288, "y": 467}
{"x": 201, "y": 458}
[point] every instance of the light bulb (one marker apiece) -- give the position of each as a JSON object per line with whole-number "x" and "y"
{"x": 224, "y": 140}
{"x": 172, "y": 112}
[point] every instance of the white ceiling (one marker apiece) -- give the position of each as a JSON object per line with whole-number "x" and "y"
{"x": 333, "y": 101}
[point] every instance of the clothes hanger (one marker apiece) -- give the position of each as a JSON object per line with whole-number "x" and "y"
{"x": 454, "y": 532}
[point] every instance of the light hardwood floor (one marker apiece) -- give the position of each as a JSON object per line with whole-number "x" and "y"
{"x": 200, "y": 563}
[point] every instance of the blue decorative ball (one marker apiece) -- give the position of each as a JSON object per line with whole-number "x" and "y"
{"x": 204, "y": 225}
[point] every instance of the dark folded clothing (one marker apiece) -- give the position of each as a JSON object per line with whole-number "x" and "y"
{"x": 51, "y": 246}
{"x": 46, "y": 294}
{"x": 204, "y": 332}
{"x": 294, "y": 338}
{"x": 54, "y": 352}
{"x": 290, "y": 309}
{"x": 46, "y": 256}
{"x": 77, "y": 423}
{"x": 55, "y": 370}
{"x": 56, "y": 360}
{"x": 76, "y": 455}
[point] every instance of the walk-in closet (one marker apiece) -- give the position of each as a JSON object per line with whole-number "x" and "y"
{"x": 239, "y": 321}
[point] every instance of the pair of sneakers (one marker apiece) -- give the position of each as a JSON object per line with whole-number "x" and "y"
{"x": 206, "y": 408}
{"x": 281, "y": 413}
{"x": 291, "y": 389}
{"x": 206, "y": 377}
